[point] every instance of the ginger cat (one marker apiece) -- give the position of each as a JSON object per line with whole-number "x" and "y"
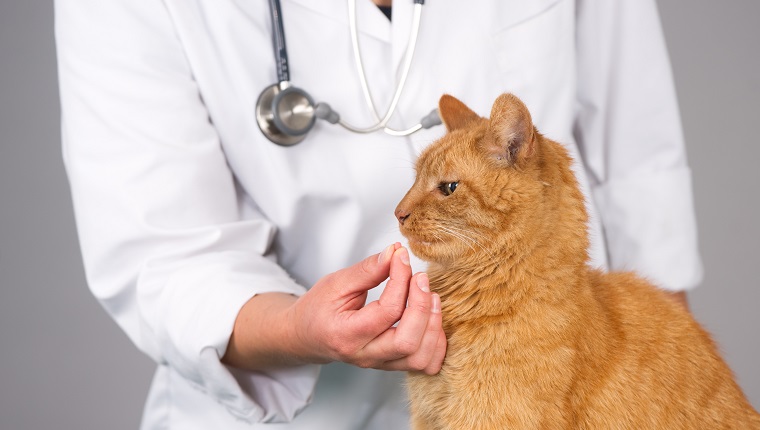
{"x": 538, "y": 339}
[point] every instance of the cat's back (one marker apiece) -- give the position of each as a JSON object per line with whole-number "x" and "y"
{"x": 660, "y": 361}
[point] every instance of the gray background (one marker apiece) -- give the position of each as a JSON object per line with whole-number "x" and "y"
{"x": 64, "y": 364}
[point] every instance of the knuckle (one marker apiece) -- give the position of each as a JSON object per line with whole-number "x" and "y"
{"x": 347, "y": 354}
{"x": 328, "y": 281}
{"x": 330, "y": 278}
{"x": 367, "y": 267}
{"x": 421, "y": 307}
{"x": 405, "y": 346}
{"x": 435, "y": 330}
{"x": 393, "y": 312}
{"x": 418, "y": 363}
{"x": 389, "y": 312}
{"x": 364, "y": 363}
{"x": 342, "y": 349}
{"x": 431, "y": 370}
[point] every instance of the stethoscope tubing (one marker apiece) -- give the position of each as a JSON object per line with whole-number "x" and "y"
{"x": 407, "y": 65}
{"x": 297, "y": 104}
{"x": 278, "y": 40}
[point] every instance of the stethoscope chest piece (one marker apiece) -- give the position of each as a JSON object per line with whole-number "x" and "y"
{"x": 285, "y": 114}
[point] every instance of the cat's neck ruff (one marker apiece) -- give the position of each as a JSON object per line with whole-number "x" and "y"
{"x": 503, "y": 291}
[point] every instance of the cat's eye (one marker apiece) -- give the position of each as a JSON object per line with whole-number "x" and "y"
{"x": 447, "y": 188}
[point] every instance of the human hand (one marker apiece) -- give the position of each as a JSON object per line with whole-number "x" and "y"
{"x": 331, "y": 321}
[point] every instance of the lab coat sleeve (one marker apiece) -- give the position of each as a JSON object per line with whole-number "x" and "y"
{"x": 168, "y": 250}
{"x": 628, "y": 131}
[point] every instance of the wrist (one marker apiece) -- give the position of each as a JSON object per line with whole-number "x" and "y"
{"x": 301, "y": 344}
{"x": 262, "y": 335}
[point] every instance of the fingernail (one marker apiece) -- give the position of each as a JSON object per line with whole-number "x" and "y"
{"x": 386, "y": 254}
{"x": 436, "y": 303}
{"x": 404, "y": 256}
{"x": 423, "y": 282}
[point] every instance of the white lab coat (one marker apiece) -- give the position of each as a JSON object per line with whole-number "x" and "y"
{"x": 185, "y": 211}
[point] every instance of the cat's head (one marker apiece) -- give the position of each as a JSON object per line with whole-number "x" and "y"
{"x": 480, "y": 188}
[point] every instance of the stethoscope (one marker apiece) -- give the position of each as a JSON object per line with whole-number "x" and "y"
{"x": 286, "y": 114}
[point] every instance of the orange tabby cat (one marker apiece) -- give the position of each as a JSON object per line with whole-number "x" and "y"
{"x": 537, "y": 339}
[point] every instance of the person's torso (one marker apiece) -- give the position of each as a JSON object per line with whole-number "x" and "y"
{"x": 332, "y": 197}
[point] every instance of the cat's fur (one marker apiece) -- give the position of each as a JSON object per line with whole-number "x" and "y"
{"x": 537, "y": 339}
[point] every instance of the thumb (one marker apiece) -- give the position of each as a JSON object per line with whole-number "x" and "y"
{"x": 366, "y": 274}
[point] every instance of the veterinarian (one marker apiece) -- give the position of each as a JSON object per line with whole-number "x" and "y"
{"x": 239, "y": 263}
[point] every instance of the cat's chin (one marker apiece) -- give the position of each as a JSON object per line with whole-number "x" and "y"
{"x": 424, "y": 250}
{"x": 415, "y": 242}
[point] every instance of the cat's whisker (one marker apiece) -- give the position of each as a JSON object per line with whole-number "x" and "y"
{"x": 464, "y": 234}
{"x": 468, "y": 231}
{"x": 469, "y": 241}
{"x": 435, "y": 230}
{"x": 463, "y": 227}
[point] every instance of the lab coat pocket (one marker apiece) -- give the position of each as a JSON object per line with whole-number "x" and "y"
{"x": 537, "y": 40}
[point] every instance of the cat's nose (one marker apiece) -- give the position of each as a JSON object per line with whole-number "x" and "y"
{"x": 401, "y": 215}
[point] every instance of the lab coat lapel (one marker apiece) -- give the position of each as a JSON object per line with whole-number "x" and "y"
{"x": 371, "y": 21}
{"x": 514, "y": 12}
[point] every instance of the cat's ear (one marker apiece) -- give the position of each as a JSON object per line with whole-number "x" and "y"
{"x": 454, "y": 113}
{"x": 512, "y": 136}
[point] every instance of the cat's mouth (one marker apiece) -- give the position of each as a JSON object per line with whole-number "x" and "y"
{"x": 423, "y": 245}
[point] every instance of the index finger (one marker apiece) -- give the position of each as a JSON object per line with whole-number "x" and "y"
{"x": 366, "y": 274}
